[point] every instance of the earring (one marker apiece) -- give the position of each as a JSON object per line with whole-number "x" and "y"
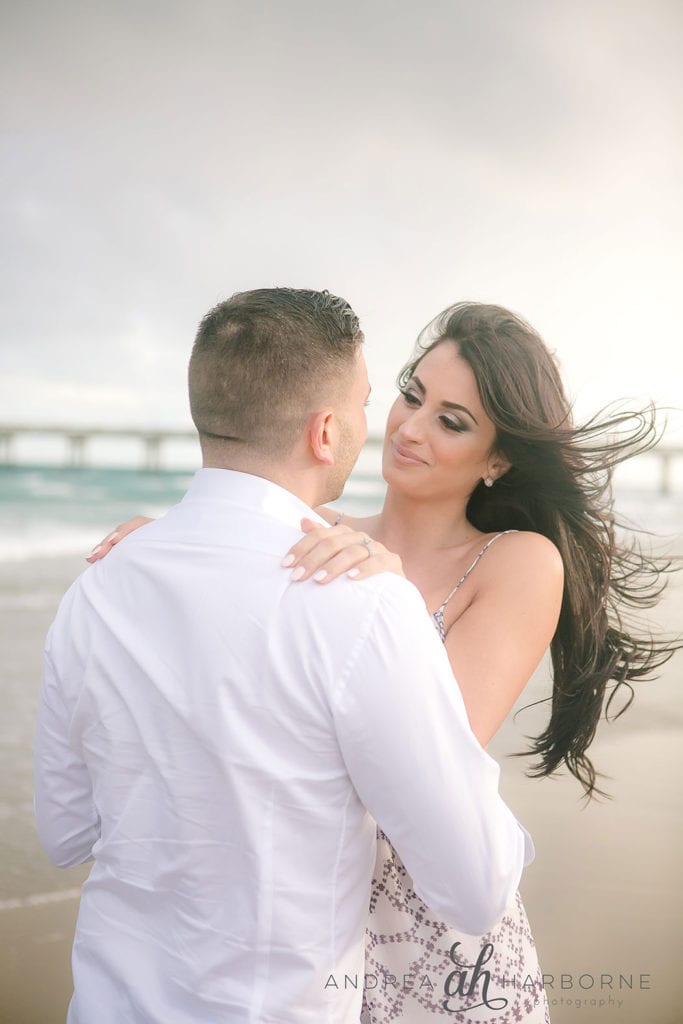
{"x": 489, "y": 481}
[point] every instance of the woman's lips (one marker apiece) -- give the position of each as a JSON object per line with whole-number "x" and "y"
{"x": 405, "y": 456}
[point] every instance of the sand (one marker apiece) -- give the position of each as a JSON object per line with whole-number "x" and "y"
{"x": 603, "y": 897}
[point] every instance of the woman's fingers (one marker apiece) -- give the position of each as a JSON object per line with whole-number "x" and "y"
{"x": 324, "y": 540}
{"x": 358, "y": 564}
{"x": 121, "y": 531}
{"x": 310, "y": 557}
{"x": 320, "y": 546}
{"x": 104, "y": 546}
{"x": 316, "y": 535}
{"x": 348, "y": 559}
{"x": 383, "y": 561}
{"x": 326, "y": 552}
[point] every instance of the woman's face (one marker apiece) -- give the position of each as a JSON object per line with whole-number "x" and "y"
{"x": 439, "y": 441}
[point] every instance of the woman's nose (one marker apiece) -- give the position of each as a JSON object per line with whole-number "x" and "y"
{"x": 412, "y": 427}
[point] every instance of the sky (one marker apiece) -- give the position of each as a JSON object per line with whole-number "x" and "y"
{"x": 157, "y": 157}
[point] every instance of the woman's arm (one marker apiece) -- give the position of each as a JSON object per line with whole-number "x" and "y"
{"x": 326, "y": 513}
{"x": 498, "y": 641}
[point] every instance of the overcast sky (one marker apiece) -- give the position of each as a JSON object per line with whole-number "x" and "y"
{"x": 159, "y": 156}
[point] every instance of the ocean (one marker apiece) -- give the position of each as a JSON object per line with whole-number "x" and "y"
{"x": 53, "y": 510}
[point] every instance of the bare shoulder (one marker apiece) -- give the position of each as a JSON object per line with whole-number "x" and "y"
{"x": 526, "y": 544}
{"x": 520, "y": 580}
{"x": 526, "y": 556}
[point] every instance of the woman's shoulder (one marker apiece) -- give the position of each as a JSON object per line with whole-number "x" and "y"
{"x": 523, "y": 552}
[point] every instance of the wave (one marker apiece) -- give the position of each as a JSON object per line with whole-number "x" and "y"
{"x": 40, "y": 899}
{"x": 46, "y": 540}
{"x": 56, "y": 513}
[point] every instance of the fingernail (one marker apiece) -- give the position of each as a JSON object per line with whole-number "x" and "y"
{"x": 320, "y": 576}
{"x": 353, "y": 573}
{"x": 298, "y": 573}
{"x": 287, "y": 561}
{"x": 95, "y": 550}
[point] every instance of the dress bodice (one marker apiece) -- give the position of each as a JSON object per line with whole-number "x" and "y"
{"x": 439, "y": 613}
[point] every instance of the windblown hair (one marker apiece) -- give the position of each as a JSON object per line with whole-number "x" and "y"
{"x": 263, "y": 360}
{"x": 559, "y": 485}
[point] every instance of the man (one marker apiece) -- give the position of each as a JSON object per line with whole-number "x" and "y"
{"x": 222, "y": 742}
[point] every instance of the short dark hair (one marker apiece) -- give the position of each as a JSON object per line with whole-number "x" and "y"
{"x": 263, "y": 360}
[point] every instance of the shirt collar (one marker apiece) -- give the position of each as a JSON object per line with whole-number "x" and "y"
{"x": 251, "y": 492}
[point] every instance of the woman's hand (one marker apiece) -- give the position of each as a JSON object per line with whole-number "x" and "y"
{"x": 105, "y": 546}
{"x": 326, "y": 552}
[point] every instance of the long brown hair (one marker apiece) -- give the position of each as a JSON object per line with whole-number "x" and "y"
{"x": 559, "y": 485}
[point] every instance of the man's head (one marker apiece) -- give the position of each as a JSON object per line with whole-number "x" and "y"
{"x": 277, "y": 385}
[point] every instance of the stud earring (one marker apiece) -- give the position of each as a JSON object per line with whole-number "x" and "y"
{"x": 489, "y": 481}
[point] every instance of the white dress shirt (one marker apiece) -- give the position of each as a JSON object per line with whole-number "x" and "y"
{"x": 219, "y": 740}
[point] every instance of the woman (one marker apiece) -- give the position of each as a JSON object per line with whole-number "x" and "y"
{"x": 500, "y": 512}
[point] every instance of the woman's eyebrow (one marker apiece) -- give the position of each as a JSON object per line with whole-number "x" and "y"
{"x": 448, "y": 405}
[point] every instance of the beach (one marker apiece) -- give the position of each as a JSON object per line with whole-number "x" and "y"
{"x": 603, "y": 896}
{"x": 38, "y": 902}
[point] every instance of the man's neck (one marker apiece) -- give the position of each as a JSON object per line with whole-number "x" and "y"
{"x": 296, "y": 483}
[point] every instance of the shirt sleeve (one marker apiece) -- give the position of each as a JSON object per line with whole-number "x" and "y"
{"x": 419, "y": 770}
{"x": 66, "y": 818}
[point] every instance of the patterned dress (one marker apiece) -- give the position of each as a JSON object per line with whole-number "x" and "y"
{"x": 417, "y": 968}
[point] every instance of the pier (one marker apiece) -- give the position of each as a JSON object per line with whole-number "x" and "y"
{"x": 76, "y": 442}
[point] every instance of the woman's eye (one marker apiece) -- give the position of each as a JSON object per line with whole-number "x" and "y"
{"x": 450, "y": 424}
{"x": 410, "y": 397}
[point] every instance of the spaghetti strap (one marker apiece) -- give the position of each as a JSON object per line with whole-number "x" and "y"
{"x": 438, "y": 614}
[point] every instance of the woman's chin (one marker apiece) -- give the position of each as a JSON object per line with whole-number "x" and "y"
{"x": 395, "y": 476}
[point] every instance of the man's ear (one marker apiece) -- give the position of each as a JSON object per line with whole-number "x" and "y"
{"x": 319, "y": 430}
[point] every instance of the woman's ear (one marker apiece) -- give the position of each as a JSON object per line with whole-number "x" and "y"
{"x": 498, "y": 466}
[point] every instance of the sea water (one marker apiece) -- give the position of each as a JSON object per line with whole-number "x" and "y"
{"x": 52, "y": 510}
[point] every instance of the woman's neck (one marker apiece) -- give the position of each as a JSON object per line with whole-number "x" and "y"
{"x": 419, "y": 528}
